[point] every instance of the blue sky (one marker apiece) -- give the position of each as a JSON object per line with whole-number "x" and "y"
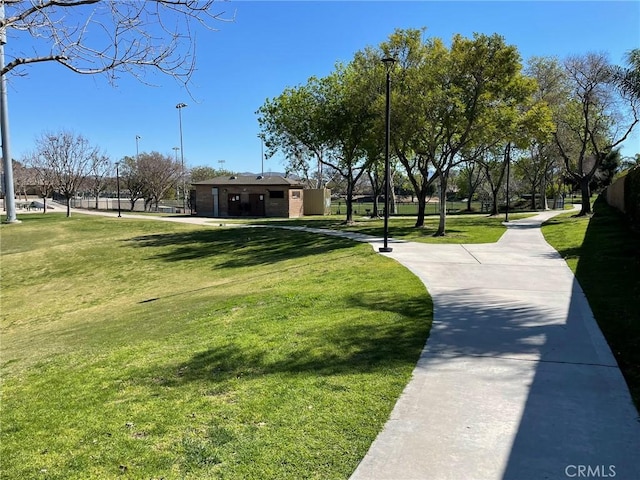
{"x": 273, "y": 45}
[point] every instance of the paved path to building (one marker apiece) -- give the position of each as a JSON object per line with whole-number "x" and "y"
{"x": 516, "y": 380}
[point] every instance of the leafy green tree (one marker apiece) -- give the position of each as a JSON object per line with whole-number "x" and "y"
{"x": 199, "y": 174}
{"x": 349, "y": 118}
{"x": 470, "y": 175}
{"x": 292, "y": 123}
{"x": 541, "y": 159}
{"x": 606, "y": 171}
{"x": 408, "y": 112}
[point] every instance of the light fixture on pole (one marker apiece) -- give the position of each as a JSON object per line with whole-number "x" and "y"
{"x": 138, "y": 137}
{"x": 118, "y": 185}
{"x": 180, "y": 106}
{"x": 388, "y": 63}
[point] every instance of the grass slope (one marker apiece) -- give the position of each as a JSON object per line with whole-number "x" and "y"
{"x": 161, "y": 350}
{"x": 604, "y": 254}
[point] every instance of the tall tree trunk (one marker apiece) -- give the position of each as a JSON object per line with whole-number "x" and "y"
{"x": 586, "y": 196}
{"x": 68, "y": 197}
{"x": 494, "y": 202}
{"x": 470, "y": 190}
{"x": 422, "y": 206}
{"x": 444, "y": 178}
{"x": 393, "y": 205}
{"x": 349, "y": 202}
{"x": 543, "y": 194}
{"x": 376, "y": 193}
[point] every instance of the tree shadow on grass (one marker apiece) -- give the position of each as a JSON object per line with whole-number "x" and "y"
{"x": 328, "y": 350}
{"x": 239, "y": 247}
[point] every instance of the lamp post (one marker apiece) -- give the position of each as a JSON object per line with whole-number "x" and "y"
{"x": 118, "y": 186}
{"x": 506, "y": 210}
{"x": 138, "y": 137}
{"x": 388, "y": 63}
{"x": 261, "y": 135}
{"x": 9, "y": 192}
{"x": 180, "y": 106}
{"x": 175, "y": 154}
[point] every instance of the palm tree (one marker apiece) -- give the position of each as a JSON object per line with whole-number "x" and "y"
{"x": 628, "y": 79}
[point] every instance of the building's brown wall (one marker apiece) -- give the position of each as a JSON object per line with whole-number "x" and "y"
{"x": 204, "y": 201}
{"x": 296, "y": 203}
{"x": 274, "y": 207}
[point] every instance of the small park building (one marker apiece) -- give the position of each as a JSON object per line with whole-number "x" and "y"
{"x": 249, "y": 196}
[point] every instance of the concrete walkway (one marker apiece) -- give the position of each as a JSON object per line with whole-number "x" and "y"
{"x": 516, "y": 380}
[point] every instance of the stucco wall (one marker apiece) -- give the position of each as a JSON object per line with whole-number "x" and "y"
{"x": 317, "y": 201}
{"x": 615, "y": 194}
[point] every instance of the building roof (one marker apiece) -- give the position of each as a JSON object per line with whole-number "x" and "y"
{"x": 251, "y": 180}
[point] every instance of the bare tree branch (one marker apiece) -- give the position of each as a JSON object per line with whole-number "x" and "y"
{"x": 110, "y": 37}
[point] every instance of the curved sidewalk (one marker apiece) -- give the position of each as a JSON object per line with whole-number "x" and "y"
{"x": 516, "y": 380}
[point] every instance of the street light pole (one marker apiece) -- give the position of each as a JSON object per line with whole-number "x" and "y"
{"x": 180, "y": 106}
{"x": 506, "y": 211}
{"x": 388, "y": 62}
{"x": 118, "y": 186}
{"x": 9, "y": 193}
{"x": 262, "y": 153}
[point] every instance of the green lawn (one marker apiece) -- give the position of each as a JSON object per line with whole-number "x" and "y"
{"x": 604, "y": 254}
{"x": 473, "y": 228}
{"x": 159, "y": 350}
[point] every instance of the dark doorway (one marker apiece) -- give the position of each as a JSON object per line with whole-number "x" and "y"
{"x": 235, "y": 206}
{"x": 247, "y": 205}
{"x": 256, "y": 205}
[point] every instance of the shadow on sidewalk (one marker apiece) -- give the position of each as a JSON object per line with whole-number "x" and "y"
{"x": 578, "y": 419}
{"x": 577, "y": 409}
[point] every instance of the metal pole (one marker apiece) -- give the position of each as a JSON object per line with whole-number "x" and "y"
{"x": 262, "y": 154}
{"x": 9, "y": 193}
{"x": 388, "y": 62}
{"x": 118, "y": 185}
{"x": 506, "y": 212}
{"x": 180, "y": 106}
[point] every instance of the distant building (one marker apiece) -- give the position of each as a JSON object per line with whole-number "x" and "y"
{"x": 249, "y": 196}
